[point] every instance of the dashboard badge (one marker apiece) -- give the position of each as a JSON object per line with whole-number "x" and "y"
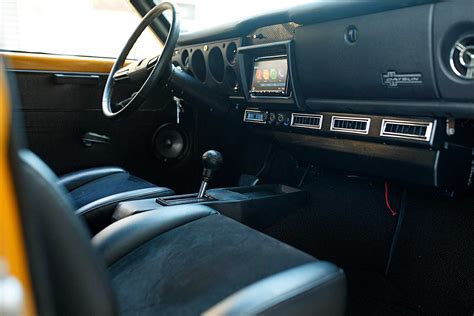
{"x": 392, "y": 79}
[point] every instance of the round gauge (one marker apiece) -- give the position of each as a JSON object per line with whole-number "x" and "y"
{"x": 231, "y": 79}
{"x": 198, "y": 64}
{"x": 231, "y": 53}
{"x": 216, "y": 64}
{"x": 185, "y": 58}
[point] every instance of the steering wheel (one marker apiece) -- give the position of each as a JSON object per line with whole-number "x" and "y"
{"x": 146, "y": 73}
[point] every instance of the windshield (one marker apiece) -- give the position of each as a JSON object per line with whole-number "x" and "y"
{"x": 202, "y": 14}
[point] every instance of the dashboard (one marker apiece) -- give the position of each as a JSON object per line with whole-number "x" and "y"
{"x": 387, "y": 83}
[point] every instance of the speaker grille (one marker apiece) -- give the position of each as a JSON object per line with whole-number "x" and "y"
{"x": 169, "y": 143}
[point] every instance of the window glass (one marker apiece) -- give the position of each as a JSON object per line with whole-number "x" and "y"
{"x": 97, "y": 28}
{"x": 201, "y": 14}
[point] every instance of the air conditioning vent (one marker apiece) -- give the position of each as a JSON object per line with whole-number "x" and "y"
{"x": 311, "y": 121}
{"x": 462, "y": 58}
{"x": 355, "y": 125}
{"x": 414, "y": 130}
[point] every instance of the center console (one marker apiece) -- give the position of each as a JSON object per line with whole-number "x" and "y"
{"x": 256, "y": 206}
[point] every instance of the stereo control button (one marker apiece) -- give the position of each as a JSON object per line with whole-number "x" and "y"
{"x": 280, "y": 118}
{"x": 272, "y": 117}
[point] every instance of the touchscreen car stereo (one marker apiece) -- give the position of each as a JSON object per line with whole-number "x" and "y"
{"x": 270, "y": 77}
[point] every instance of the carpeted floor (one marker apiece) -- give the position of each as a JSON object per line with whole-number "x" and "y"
{"x": 347, "y": 222}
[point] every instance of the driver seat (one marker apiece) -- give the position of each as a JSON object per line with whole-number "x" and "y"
{"x": 95, "y": 192}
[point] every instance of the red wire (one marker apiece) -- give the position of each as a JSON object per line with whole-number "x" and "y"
{"x": 387, "y": 203}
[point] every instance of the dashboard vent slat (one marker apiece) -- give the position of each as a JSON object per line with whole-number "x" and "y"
{"x": 311, "y": 121}
{"x": 357, "y": 125}
{"x": 414, "y": 130}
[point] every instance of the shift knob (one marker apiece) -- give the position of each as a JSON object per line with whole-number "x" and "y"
{"x": 212, "y": 160}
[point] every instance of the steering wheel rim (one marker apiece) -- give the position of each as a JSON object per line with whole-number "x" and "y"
{"x": 159, "y": 70}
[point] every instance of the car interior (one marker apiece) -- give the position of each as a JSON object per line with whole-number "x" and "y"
{"x": 311, "y": 160}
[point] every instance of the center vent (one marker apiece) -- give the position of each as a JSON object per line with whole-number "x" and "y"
{"x": 312, "y": 121}
{"x": 355, "y": 125}
{"x": 414, "y": 130}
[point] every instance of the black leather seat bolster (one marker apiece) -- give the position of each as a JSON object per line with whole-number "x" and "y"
{"x": 69, "y": 278}
{"x": 76, "y": 179}
{"x": 317, "y": 288}
{"x": 121, "y": 197}
{"x": 118, "y": 239}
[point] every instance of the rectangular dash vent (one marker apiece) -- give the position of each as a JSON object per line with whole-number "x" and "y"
{"x": 415, "y": 130}
{"x": 311, "y": 121}
{"x": 355, "y": 125}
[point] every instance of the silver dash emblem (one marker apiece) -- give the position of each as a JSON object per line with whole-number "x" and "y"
{"x": 392, "y": 79}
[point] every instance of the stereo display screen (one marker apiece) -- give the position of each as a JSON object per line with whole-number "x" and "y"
{"x": 270, "y": 77}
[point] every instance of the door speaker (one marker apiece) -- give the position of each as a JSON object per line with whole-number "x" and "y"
{"x": 170, "y": 143}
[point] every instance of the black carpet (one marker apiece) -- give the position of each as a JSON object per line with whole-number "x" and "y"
{"x": 348, "y": 223}
{"x": 434, "y": 257}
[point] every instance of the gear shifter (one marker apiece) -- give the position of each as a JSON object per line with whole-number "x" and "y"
{"x": 211, "y": 160}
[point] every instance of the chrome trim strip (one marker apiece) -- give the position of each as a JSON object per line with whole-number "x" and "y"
{"x": 435, "y": 169}
{"x": 427, "y": 137}
{"x": 348, "y": 130}
{"x": 293, "y": 115}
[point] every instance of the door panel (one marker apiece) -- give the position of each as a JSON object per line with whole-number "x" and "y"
{"x": 60, "y": 108}
{"x": 46, "y": 62}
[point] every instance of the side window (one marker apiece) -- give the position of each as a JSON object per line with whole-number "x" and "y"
{"x": 98, "y": 28}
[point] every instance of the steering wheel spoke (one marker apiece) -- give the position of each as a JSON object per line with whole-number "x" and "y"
{"x": 121, "y": 104}
{"x": 151, "y": 62}
{"x": 121, "y": 74}
{"x": 146, "y": 73}
{"x": 137, "y": 71}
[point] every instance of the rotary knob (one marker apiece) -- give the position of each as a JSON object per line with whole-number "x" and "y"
{"x": 272, "y": 117}
{"x": 280, "y": 118}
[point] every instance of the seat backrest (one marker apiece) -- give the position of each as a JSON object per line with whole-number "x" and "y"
{"x": 68, "y": 277}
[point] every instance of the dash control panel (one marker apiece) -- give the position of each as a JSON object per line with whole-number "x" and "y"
{"x": 267, "y": 117}
{"x": 420, "y": 130}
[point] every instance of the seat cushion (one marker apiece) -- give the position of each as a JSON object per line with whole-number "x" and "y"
{"x": 192, "y": 267}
